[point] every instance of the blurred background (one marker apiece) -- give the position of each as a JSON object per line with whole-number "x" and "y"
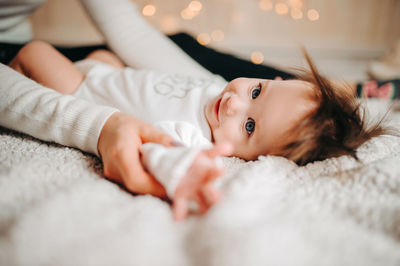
{"x": 343, "y": 36}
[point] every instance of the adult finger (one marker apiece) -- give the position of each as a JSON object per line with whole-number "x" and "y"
{"x": 152, "y": 134}
{"x": 136, "y": 179}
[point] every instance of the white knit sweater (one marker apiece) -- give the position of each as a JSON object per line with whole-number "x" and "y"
{"x": 14, "y": 26}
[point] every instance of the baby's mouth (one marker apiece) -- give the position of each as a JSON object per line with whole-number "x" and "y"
{"x": 217, "y": 104}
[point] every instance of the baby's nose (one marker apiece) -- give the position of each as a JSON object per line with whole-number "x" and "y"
{"x": 233, "y": 104}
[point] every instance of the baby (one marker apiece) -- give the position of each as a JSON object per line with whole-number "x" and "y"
{"x": 304, "y": 119}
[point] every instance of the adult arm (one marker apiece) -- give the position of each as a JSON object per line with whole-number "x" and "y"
{"x": 136, "y": 42}
{"x": 14, "y": 26}
{"x": 28, "y": 107}
{"x": 43, "y": 113}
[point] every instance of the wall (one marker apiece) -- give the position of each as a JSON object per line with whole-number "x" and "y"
{"x": 356, "y": 29}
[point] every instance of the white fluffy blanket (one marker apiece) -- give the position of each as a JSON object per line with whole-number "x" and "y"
{"x": 56, "y": 209}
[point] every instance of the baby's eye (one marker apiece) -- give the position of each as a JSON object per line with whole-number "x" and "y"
{"x": 250, "y": 126}
{"x": 256, "y": 91}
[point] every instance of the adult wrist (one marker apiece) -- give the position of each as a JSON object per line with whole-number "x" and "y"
{"x": 107, "y": 129}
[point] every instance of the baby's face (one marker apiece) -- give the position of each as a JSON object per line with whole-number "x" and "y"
{"x": 254, "y": 114}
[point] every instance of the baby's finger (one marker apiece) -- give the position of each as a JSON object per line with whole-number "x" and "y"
{"x": 135, "y": 178}
{"x": 180, "y": 209}
{"x": 202, "y": 203}
{"x": 211, "y": 194}
{"x": 213, "y": 174}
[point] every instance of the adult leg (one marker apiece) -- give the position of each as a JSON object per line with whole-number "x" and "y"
{"x": 43, "y": 63}
{"x": 136, "y": 41}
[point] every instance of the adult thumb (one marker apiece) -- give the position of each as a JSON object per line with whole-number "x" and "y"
{"x": 156, "y": 136}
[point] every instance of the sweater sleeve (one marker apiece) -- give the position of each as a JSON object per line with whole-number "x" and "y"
{"x": 14, "y": 25}
{"x": 28, "y": 107}
{"x": 169, "y": 165}
{"x": 136, "y": 42}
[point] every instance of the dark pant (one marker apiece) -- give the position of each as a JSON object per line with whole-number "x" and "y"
{"x": 223, "y": 64}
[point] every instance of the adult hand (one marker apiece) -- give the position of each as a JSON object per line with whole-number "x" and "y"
{"x": 118, "y": 146}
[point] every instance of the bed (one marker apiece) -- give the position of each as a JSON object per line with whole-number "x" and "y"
{"x": 57, "y": 209}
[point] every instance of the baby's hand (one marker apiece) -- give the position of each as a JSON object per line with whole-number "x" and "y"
{"x": 196, "y": 185}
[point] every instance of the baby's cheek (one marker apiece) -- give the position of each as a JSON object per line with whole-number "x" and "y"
{"x": 221, "y": 135}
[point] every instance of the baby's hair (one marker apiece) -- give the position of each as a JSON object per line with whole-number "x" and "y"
{"x": 337, "y": 126}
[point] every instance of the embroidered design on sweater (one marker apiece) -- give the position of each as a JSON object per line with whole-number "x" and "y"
{"x": 178, "y": 86}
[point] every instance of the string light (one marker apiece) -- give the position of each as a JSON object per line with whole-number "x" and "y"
{"x": 265, "y": 5}
{"x": 149, "y": 10}
{"x": 257, "y": 57}
{"x": 313, "y": 14}
{"x": 203, "y": 38}
{"x": 191, "y": 10}
{"x": 169, "y": 23}
{"x": 187, "y": 14}
{"x": 296, "y": 4}
{"x": 217, "y": 35}
{"x": 281, "y": 9}
{"x": 195, "y": 6}
{"x": 293, "y": 7}
{"x": 296, "y": 13}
